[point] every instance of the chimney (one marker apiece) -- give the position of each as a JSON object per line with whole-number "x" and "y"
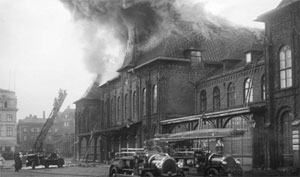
{"x": 44, "y": 115}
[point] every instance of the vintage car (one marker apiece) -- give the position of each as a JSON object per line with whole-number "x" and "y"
{"x": 140, "y": 162}
{"x": 36, "y": 159}
{"x": 201, "y": 163}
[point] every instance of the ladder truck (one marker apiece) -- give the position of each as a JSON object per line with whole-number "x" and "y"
{"x": 37, "y": 155}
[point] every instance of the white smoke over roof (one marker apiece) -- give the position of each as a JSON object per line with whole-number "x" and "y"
{"x": 108, "y": 25}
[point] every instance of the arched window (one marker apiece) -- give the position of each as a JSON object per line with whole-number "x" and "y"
{"x": 240, "y": 145}
{"x": 144, "y": 106}
{"x": 203, "y": 101}
{"x": 285, "y": 57}
{"x": 286, "y": 132}
{"x": 263, "y": 87}
{"x": 134, "y": 101}
{"x": 112, "y": 111}
{"x": 231, "y": 95}
{"x": 119, "y": 109}
{"x": 126, "y": 106}
{"x": 216, "y": 99}
{"x": 154, "y": 99}
{"x": 248, "y": 91}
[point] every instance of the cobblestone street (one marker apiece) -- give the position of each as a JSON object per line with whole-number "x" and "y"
{"x": 82, "y": 170}
{"x": 78, "y": 170}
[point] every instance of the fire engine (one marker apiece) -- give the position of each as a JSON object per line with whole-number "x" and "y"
{"x": 36, "y": 156}
{"x": 201, "y": 161}
{"x": 144, "y": 162}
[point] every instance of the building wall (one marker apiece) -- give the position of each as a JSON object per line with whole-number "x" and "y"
{"x": 8, "y": 123}
{"x": 282, "y": 28}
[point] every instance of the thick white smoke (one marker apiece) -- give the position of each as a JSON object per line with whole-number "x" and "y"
{"x": 108, "y": 25}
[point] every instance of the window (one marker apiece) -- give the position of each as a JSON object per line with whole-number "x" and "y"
{"x": 0, "y": 117}
{"x": 287, "y": 144}
{"x": 239, "y": 145}
{"x": 231, "y": 95}
{"x": 154, "y": 99}
{"x": 248, "y": 57}
{"x": 9, "y": 117}
{"x": 119, "y": 109}
{"x": 112, "y": 108}
{"x": 25, "y": 138}
{"x": 56, "y": 130}
{"x": 285, "y": 57}
{"x": 144, "y": 102}
{"x": 25, "y": 130}
{"x": 38, "y": 129}
{"x": 263, "y": 87}
{"x": 216, "y": 99}
{"x": 203, "y": 101}
{"x": 196, "y": 55}
{"x": 5, "y": 104}
{"x": 248, "y": 91}
{"x": 134, "y": 101}
{"x": 9, "y": 131}
{"x": 126, "y": 106}
{"x": 32, "y": 129}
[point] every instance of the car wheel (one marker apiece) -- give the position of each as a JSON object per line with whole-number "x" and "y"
{"x": 148, "y": 174}
{"x": 212, "y": 172}
{"x": 46, "y": 166}
{"x": 113, "y": 172}
{"x": 33, "y": 165}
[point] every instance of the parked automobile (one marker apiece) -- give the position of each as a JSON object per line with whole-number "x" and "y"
{"x": 140, "y": 162}
{"x": 201, "y": 163}
{"x": 36, "y": 159}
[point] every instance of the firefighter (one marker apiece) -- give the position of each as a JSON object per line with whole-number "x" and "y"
{"x": 219, "y": 146}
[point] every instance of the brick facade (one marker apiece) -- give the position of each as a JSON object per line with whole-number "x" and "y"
{"x": 159, "y": 91}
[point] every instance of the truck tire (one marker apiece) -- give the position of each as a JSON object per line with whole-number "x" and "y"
{"x": 33, "y": 165}
{"x": 148, "y": 174}
{"x": 212, "y": 172}
{"x": 113, "y": 172}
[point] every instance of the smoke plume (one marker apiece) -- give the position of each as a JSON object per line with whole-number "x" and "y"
{"x": 109, "y": 25}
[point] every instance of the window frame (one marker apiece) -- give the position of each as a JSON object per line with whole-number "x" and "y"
{"x": 231, "y": 96}
{"x": 263, "y": 87}
{"x": 203, "y": 101}
{"x": 248, "y": 87}
{"x": 154, "y": 99}
{"x": 216, "y": 99}
{"x": 144, "y": 103}
{"x": 285, "y": 67}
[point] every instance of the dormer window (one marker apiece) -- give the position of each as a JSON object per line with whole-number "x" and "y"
{"x": 196, "y": 55}
{"x": 248, "y": 57}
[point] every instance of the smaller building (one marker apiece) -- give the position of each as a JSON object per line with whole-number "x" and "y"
{"x": 60, "y": 136}
{"x": 8, "y": 123}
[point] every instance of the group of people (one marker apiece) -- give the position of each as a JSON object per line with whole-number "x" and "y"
{"x": 18, "y": 161}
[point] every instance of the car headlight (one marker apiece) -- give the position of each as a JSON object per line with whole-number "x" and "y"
{"x": 180, "y": 163}
{"x": 158, "y": 165}
{"x": 224, "y": 162}
{"x": 238, "y": 161}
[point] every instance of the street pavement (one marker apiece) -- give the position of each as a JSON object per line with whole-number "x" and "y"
{"x": 69, "y": 170}
{"x": 80, "y": 169}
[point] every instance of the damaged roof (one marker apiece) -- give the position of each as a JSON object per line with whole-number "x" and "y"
{"x": 217, "y": 44}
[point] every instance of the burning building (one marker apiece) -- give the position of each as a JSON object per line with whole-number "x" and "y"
{"x": 180, "y": 75}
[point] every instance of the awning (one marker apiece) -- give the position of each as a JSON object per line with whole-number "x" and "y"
{"x": 225, "y": 113}
{"x": 201, "y": 134}
{"x": 8, "y": 143}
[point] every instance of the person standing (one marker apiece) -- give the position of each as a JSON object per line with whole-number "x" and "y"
{"x": 18, "y": 161}
{"x": 2, "y": 161}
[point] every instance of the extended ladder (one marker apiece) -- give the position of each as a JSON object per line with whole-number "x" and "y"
{"x": 38, "y": 145}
